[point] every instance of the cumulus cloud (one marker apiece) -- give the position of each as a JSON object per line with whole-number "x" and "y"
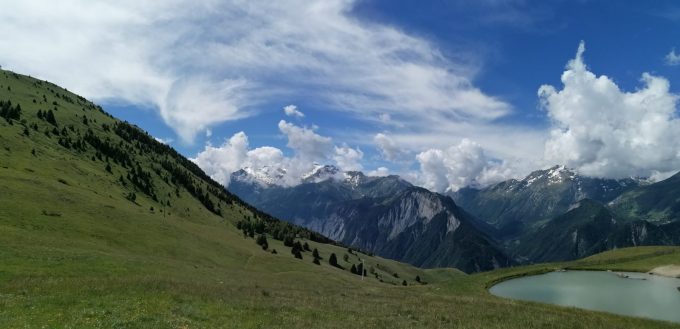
{"x": 348, "y": 159}
{"x": 219, "y": 162}
{"x": 458, "y": 166}
{"x": 606, "y": 132}
{"x": 308, "y": 148}
{"x": 292, "y": 111}
{"x": 307, "y": 144}
{"x": 672, "y": 58}
{"x": 205, "y": 62}
{"x": 389, "y": 149}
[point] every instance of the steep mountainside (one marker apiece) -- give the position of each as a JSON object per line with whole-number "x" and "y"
{"x": 384, "y": 215}
{"x": 514, "y": 206}
{"x": 589, "y": 228}
{"x": 658, "y": 202}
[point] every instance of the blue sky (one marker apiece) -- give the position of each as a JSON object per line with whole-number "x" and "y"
{"x": 444, "y": 93}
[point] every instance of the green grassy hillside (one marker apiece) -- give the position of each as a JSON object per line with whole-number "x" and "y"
{"x": 143, "y": 239}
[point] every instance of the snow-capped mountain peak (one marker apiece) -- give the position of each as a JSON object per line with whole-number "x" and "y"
{"x": 321, "y": 173}
{"x": 263, "y": 176}
{"x": 554, "y": 175}
{"x": 354, "y": 178}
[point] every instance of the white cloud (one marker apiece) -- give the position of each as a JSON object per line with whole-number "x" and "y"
{"x": 672, "y": 58}
{"x": 166, "y": 141}
{"x": 292, "y": 111}
{"x": 348, "y": 159}
{"x": 458, "y": 166}
{"x": 220, "y": 162}
{"x": 308, "y": 147}
{"x": 307, "y": 144}
{"x": 389, "y": 149}
{"x": 606, "y": 132}
{"x": 379, "y": 172}
{"x": 385, "y": 117}
{"x": 205, "y": 62}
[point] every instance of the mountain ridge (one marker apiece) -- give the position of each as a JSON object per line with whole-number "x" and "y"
{"x": 385, "y": 215}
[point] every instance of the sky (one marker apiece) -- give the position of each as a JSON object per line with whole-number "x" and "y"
{"x": 443, "y": 93}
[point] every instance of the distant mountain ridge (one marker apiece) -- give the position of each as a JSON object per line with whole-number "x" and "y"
{"x": 514, "y": 206}
{"x": 589, "y": 228}
{"x": 553, "y": 214}
{"x": 658, "y": 202}
{"x": 384, "y": 215}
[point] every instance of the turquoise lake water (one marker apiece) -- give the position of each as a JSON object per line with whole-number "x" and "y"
{"x": 654, "y": 297}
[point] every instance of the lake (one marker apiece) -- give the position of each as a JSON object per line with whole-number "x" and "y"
{"x": 655, "y": 297}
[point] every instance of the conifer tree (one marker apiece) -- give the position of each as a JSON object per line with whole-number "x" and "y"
{"x": 332, "y": 260}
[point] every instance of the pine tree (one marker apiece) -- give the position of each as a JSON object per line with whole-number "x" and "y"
{"x": 315, "y": 254}
{"x": 332, "y": 260}
{"x": 49, "y": 117}
{"x": 262, "y": 242}
{"x": 288, "y": 241}
{"x": 353, "y": 269}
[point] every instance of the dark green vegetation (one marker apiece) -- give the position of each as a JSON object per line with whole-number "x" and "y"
{"x": 557, "y": 215}
{"x": 658, "y": 203}
{"x": 589, "y": 228}
{"x": 384, "y": 215}
{"x": 78, "y": 250}
{"x": 517, "y": 206}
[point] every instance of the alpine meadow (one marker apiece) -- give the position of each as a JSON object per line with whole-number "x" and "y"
{"x": 339, "y": 164}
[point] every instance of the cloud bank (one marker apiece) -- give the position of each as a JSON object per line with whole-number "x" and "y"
{"x": 465, "y": 164}
{"x": 605, "y": 132}
{"x": 308, "y": 148}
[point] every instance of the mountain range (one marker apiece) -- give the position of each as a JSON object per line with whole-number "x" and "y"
{"x": 552, "y": 214}
{"x": 383, "y": 215}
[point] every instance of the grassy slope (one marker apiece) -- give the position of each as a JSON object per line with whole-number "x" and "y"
{"x": 76, "y": 253}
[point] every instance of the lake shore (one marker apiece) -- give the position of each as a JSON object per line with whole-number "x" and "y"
{"x": 672, "y": 271}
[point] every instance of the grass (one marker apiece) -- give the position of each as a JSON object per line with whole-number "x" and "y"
{"x": 74, "y": 253}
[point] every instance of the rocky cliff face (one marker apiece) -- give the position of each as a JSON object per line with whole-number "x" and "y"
{"x": 384, "y": 215}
